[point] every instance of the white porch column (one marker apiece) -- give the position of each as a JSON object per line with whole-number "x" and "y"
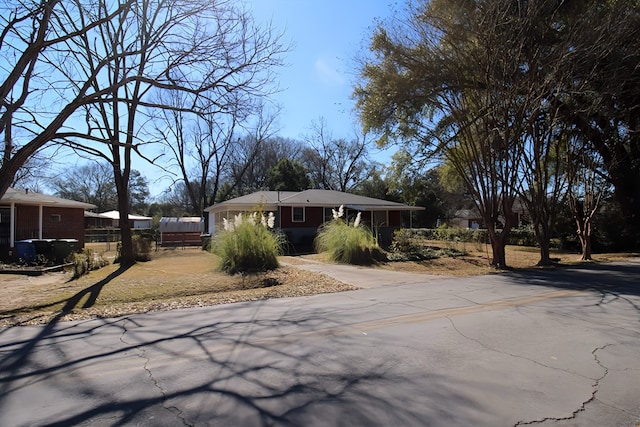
{"x": 12, "y": 225}
{"x": 40, "y": 219}
{"x": 211, "y": 219}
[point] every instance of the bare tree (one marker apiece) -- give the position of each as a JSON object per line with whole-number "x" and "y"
{"x": 205, "y": 148}
{"x": 587, "y": 185}
{"x": 35, "y": 99}
{"x": 255, "y": 156}
{"x": 92, "y": 182}
{"x": 35, "y": 173}
{"x": 111, "y": 60}
{"x": 335, "y": 164}
{"x": 198, "y": 148}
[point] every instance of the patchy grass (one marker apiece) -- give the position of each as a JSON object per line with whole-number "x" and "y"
{"x": 180, "y": 278}
{"x": 172, "y": 279}
{"x": 477, "y": 258}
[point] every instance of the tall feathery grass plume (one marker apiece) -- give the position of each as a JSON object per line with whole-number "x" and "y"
{"x": 248, "y": 243}
{"x": 347, "y": 243}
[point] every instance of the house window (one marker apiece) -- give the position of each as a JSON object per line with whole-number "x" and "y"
{"x": 56, "y": 218}
{"x": 5, "y": 215}
{"x": 297, "y": 214}
{"x": 328, "y": 214}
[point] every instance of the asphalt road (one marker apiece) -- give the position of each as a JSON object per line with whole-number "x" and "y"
{"x": 549, "y": 347}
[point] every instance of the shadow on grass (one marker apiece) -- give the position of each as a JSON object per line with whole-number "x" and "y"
{"x": 93, "y": 291}
{"x": 72, "y": 302}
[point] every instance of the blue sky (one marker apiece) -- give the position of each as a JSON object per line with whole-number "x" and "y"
{"x": 318, "y": 79}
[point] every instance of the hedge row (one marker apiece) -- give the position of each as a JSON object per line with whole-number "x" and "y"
{"x": 519, "y": 237}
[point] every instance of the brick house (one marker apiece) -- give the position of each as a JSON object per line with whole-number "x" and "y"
{"x": 28, "y": 215}
{"x": 299, "y": 214}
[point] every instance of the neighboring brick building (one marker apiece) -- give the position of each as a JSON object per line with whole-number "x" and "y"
{"x": 27, "y": 215}
{"x": 299, "y": 214}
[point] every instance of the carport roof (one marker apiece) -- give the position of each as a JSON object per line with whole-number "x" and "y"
{"x": 25, "y": 197}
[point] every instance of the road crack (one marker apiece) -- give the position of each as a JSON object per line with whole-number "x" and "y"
{"x": 486, "y": 347}
{"x": 142, "y": 355}
{"x": 595, "y": 387}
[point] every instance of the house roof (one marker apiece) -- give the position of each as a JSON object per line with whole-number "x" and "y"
{"x": 26, "y": 197}
{"x": 187, "y": 224}
{"x": 269, "y": 200}
{"x": 466, "y": 214}
{"x": 116, "y": 215}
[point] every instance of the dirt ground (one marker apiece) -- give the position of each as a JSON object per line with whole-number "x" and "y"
{"x": 178, "y": 278}
{"x": 172, "y": 279}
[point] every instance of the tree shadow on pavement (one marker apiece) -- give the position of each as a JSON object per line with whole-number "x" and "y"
{"x": 18, "y": 357}
{"x": 284, "y": 368}
{"x": 619, "y": 280}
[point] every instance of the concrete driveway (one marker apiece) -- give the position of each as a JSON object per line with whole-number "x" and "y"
{"x": 548, "y": 347}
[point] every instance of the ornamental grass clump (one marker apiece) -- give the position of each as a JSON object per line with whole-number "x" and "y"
{"x": 248, "y": 244}
{"x": 347, "y": 243}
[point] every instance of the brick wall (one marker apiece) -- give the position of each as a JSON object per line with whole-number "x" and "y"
{"x": 57, "y": 223}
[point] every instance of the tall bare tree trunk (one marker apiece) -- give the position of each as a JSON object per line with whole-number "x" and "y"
{"x": 127, "y": 256}
{"x": 498, "y": 252}
{"x": 543, "y": 237}
{"x": 585, "y": 241}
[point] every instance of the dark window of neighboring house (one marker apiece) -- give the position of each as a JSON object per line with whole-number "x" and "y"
{"x": 298, "y": 214}
{"x": 56, "y": 218}
{"x": 328, "y": 214}
{"x": 5, "y": 215}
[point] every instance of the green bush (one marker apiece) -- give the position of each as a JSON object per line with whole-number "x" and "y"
{"x": 86, "y": 261}
{"x": 347, "y": 243}
{"x": 406, "y": 246}
{"x": 404, "y": 242}
{"x": 248, "y": 244}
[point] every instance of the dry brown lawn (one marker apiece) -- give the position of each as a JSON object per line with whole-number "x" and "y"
{"x": 180, "y": 278}
{"x": 478, "y": 258}
{"x": 175, "y": 278}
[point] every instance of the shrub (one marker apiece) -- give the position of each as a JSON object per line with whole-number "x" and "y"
{"x": 406, "y": 246}
{"x": 141, "y": 248}
{"x": 345, "y": 243}
{"x": 86, "y": 261}
{"x": 248, "y": 244}
{"x": 404, "y": 242}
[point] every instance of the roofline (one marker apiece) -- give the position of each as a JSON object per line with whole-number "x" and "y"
{"x": 27, "y": 198}
{"x": 230, "y": 205}
{"x": 243, "y": 206}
